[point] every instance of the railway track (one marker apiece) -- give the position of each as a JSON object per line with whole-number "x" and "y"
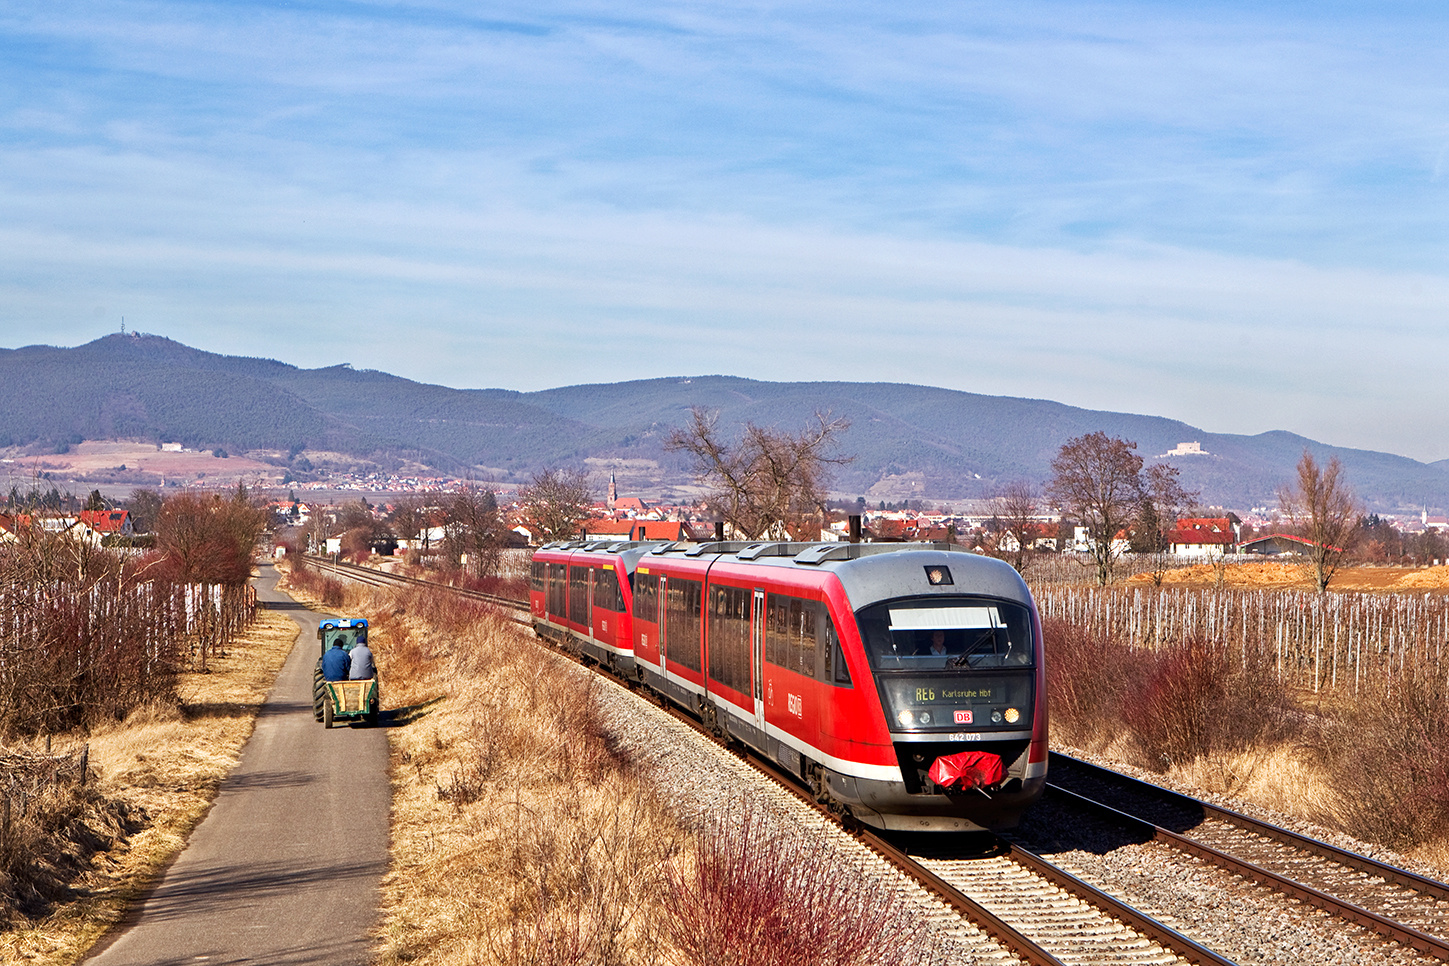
{"x": 1397, "y": 904}
{"x": 379, "y": 578}
{"x": 1042, "y": 914}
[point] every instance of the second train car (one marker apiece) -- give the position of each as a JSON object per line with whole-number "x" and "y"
{"x": 905, "y": 683}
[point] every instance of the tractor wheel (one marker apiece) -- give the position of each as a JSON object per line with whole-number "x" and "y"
{"x": 319, "y": 693}
{"x": 327, "y": 714}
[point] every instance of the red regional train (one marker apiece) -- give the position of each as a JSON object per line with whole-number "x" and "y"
{"x": 903, "y": 682}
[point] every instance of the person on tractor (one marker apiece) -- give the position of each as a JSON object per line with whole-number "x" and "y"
{"x": 362, "y": 668}
{"x": 336, "y": 663}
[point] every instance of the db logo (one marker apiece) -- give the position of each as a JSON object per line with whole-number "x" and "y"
{"x": 963, "y": 717}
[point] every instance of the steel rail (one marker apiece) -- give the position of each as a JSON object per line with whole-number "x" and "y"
{"x": 1163, "y": 935}
{"x": 990, "y": 923}
{"x": 1277, "y": 833}
{"x": 1396, "y": 931}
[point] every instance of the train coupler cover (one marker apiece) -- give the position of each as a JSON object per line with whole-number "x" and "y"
{"x": 966, "y": 770}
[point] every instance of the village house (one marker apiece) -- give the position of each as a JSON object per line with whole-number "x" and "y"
{"x": 1203, "y": 537}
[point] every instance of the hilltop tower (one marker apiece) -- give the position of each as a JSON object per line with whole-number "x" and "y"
{"x": 613, "y": 491}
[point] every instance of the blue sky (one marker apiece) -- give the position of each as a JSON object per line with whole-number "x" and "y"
{"x": 1233, "y": 214}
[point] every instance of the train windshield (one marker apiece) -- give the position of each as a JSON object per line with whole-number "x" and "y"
{"x": 947, "y": 632}
{"x": 945, "y": 664}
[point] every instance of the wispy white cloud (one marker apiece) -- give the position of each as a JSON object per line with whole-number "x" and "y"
{"x": 1230, "y": 213}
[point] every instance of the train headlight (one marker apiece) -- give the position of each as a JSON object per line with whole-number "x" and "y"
{"x": 996, "y": 716}
{"x": 924, "y": 717}
{"x": 906, "y": 717}
{"x": 1012, "y": 715}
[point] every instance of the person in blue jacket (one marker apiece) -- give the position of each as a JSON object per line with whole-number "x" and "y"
{"x": 335, "y": 663}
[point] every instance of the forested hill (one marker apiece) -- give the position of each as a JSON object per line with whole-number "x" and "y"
{"x": 907, "y": 441}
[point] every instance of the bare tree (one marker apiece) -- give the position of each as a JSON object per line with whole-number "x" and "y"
{"x": 1163, "y": 501}
{"x": 1325, "y": 512}
{"x": 408, "y": 518}
{"x": 205, "y": 539}
{"x": 1098, "y": 479}
{"x": 556, "y": 503}
{"x": 1016, "y": 509}
{"x": 769, "y": 482}
{"x": 144, "y": 505}
{"x": 474, "y": 527}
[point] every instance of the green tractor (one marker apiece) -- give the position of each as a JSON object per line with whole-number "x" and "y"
{"x": 343, "y": 700}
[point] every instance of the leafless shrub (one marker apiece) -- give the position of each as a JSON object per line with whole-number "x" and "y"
{"x": 1390, "y": 756}
{"x": 51, "y": 822}
{"x": 86, "y": 636}
{"x": 1088, "y": 674}
{"x": 750, "y": 897}
{"x": 1197, "y": 698}
{"x": 585, "y": 872}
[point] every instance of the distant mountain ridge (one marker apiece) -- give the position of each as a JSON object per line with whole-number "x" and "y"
{"x": 908, "y": 441}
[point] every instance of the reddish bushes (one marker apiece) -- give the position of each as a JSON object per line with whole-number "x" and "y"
{"x": 1196, "y": 698}
{"x": 1390, "y": 755}
{"x": 751, "y": 898}
{"x": 1174, "y": 703}
{"x": 1087, "y": 675}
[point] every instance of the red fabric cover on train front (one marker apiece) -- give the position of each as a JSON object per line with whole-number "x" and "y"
{"x": 966, "y": 770}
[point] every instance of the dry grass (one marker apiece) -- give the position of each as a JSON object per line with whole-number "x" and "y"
{"x": 162, "y": 766}
{"x": 1288, "y": 778}
{"x": 518, "y": 835}
{"x": 1253, "y": 575}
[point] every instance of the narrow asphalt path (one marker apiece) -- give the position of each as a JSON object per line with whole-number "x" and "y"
{"x": 285, "y": 868}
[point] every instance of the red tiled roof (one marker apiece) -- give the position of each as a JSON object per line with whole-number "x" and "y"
{"x": 105, "y": 521}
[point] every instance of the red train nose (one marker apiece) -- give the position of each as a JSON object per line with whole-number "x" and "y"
{"x": 966, "y": 770}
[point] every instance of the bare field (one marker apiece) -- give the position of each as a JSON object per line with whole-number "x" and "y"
{"x": 165, "y": 764}
{"x": 106, "y": 458}
{"x": 1292, "y": 576}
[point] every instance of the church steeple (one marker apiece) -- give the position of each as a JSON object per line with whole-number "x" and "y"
{"x": 613, "y": 491}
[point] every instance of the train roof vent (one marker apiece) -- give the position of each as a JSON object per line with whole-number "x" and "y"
{"x": 821, "y": 552}
{"x": 621, "y": 545}
{"x": 772, "y": 549}
{"x": 718, "y": 546}
{"x": 668, "y": 547}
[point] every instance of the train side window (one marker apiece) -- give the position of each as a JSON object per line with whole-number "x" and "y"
{"x": 535, "y": 575}
{"x": 790, "y": 634}
{"x": 683, "y": 604}
{"x": 646, "y": 598}
{"x": 556, "y": 594}
{"x": 777, "y": 627}
{"x": 606, "y": 590}
{"x": 802, "y": 636}
{"x": 729, "y": 637}
{"x": 579, "y": 581}
{"x": 834, "y": 670}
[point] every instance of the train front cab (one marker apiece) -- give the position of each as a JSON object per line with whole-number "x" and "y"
{"x": 986, "y": 691}
{"x": 800, "y": 651}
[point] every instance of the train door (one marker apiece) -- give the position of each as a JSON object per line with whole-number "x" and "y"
{"x": 663, "y": 626}
{"x": 757, "y": 658}
{"x": 589, "y": 601}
